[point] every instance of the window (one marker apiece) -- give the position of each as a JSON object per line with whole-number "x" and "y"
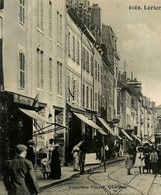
{"x": 50, "y": 74}
{"x": 73, "y": 48}
{"x": 78, "y": 53}
{"x": 40, "y": 69}
{"x": 96, "y": 101}
{"x": 75, "y": 90}
{"x": 40, "y": 13}
{"x": 87, "y": 62}
{"x": 68, "y": 87}
{"x": 22, "y": 12}
{"x": 69, "y": 44}
{"x": 1, "y": 4}
{"x": 101, "y": 74}
{"x": 59, "y": 28}
{"x": 92, "y": 68}
{"x": 61, "y": 33}
{"x": 99, "y": 102}
{"x": 59, "y": 78}
{"x": 83, "y": 95}
{"x": 1, "y": 28}
{"x": 91, "y": 94}
{"x": 22, "y": 70}
{"x": 83, "y": 58}
{"x": 87, "y": 97}
{"x": 95, "y": 69}
{"x": 50, "y": 19}
{"x": 98, "y": 72}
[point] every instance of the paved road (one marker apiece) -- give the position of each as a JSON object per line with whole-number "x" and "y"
{"x": 114, "y": 181}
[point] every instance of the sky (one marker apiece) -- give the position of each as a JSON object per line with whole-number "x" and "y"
{"x": 139, "y": 40}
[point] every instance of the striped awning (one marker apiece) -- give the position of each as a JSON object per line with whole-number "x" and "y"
{"x": 90, "y": 123}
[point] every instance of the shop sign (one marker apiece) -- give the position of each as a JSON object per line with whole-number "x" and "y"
{"x": 23, "y": 100}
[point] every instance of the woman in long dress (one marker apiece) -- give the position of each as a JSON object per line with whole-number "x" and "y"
{"x": 55, "y": 164}
{"x": 139, "y": 162}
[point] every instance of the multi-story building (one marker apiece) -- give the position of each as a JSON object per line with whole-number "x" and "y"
{"x": 33, "y": 47}
{"x": 137, "y": 112}
{"x": 158, "y": 125}
{"x": 84, "y": 75}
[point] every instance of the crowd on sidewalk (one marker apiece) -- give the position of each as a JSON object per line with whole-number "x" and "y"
{"x": 22, "y": 165}
{"x": 144, "y": 157}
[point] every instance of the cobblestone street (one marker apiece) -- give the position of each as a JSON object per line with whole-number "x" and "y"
{"x": 114, "y": 181}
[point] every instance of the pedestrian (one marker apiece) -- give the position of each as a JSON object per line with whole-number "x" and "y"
{"x": 75, "y": 153}
{"x": 19, "y": 177}
{"x": 45, "y": 165}
{"x": 154, "y": 161}
{"x": 55, "y": 163}
{"x": 139, "y": 162}
{"x": 147, "y": 157}
{"x": 31, "y": 152}
{"x": 82, "y": 154}
{"x": 117, "y": 148}
{"x": 51, "y": 147}
{"x": 133, "y": 152}
{"x": 128, "y": 162}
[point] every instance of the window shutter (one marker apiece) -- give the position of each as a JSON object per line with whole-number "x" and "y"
{"x": 61, "y": 77}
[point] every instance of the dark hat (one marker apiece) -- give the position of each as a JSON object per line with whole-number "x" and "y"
{"x": 20, "y": 148}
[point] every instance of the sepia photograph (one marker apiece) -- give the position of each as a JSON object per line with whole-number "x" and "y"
{"x": 80, "y": 97}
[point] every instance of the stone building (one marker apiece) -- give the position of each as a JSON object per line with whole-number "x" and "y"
{"x": 32, "y": 95}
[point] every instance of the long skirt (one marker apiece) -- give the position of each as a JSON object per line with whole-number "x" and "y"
{"x": 55, "y": 170}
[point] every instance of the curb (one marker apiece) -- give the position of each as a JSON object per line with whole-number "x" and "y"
{"x": 75, "y": 175}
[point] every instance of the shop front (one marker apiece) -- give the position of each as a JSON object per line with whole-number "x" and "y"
{"x": 15, "y": 126}
{"x": 81, "y": 127}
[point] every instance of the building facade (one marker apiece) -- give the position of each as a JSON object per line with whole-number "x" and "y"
{"x": 33, "y": 75}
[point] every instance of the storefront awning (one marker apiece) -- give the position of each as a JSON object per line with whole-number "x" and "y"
{"x": 35, "y": 115}
{"x": 90, "y": 123}
{"x": 106, "y": 126}
{"x": 137, "y": 138}
{"x": 40, "y": 130}
{"x": 124, "y": 132}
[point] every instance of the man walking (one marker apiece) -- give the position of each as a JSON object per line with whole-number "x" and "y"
{"x": 19, "y": 177}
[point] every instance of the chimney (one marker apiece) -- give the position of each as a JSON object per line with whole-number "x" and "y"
{"x": 96, "y": 16}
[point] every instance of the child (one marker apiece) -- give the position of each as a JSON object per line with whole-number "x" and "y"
{"x": 139, "y": 162}
{"x": 45, "y": 167}
{"x": 154, "y": 160}
{"x": 128, "y": 162}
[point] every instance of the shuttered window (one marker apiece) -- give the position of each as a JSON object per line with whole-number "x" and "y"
{"x": 22, "y": 69}
{"x": 59, "y": 78}
{"x": 22, "y": 12}
{"x": 50, "y": 74}
{"x": 40, "y": 13}
{"x": 50, "y": 19}
{"x": 40, "y": 69}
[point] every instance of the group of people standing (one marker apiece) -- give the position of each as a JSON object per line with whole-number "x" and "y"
{"x": 145, "y": 158}
{"x": 51, "y": 166}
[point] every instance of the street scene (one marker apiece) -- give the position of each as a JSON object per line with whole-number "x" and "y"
{"x": 80, "y": 107}
{"x": 110, "y": 182}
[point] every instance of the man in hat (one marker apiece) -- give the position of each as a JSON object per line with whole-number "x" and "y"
{"x": 19, "y": 177}
{"x": 30, "y": 152}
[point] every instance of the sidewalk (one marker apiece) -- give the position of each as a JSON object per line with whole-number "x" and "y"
{"x": 67, "y": 174}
